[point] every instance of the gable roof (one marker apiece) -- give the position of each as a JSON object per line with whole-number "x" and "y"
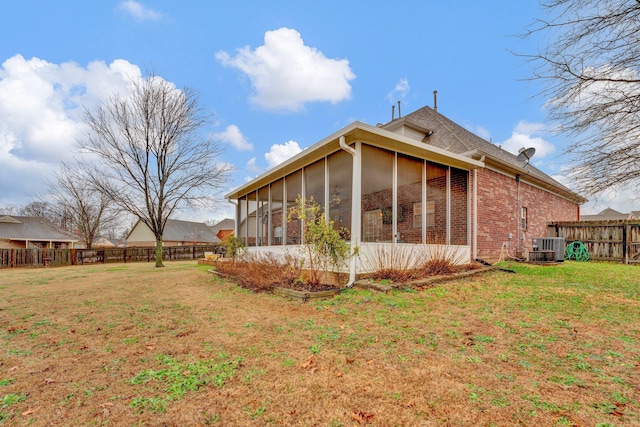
{"x": 184, "y": 231}
{"x": 448, "y": 135}
{"x": 607, "y": 214}
{"x": 225, "y": 224}
{"x": 31, "y": 228}
{"x": 188, "y": 231}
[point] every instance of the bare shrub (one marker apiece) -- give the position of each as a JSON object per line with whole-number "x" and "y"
{"x": 395, "y": 263}
{"x": 440, "y": 259}
{"x": 261, "y": 272}
{"x": 404, "y": 263}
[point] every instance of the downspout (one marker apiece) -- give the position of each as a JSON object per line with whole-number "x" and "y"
{"x": 355, "y": 208}
{"x": 475, "y": 215}
{"x": 518, "y": 222}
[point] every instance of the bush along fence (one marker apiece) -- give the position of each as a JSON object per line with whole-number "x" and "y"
{"x": 604, "y": 240}
{"x": 12, "y": 258}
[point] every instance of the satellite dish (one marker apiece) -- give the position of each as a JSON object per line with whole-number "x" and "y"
{"x": 525, "y": 154}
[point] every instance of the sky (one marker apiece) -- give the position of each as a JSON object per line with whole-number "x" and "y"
{"x": 276, "y": 76}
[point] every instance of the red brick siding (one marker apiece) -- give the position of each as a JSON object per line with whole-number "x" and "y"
{"x": 459, "y": 207}
{"x": 499, "y": 214}
{"x": 408, "y": 196}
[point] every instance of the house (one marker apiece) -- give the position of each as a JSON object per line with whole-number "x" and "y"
{"x": 176, "y": 233}
{"x": 105, "y": 242}
{"x": 26, "y": 232}
{"x": 224, "y": 228}
{"x": 610, "y": 215}
{"x": 419, "y": 179}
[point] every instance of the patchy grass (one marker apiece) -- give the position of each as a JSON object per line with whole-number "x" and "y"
{"x": 134, "y": 345}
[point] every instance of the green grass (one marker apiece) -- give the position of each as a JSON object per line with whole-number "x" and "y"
{"x": 175, "y": 379}
{"x": 548, "y": 345}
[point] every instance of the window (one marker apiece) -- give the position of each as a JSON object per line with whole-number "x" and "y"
{"x": 340, "y": 166}
{"x": 523, "y": 216}
{"x": 372, "y": 225}
{"x": 377, "y": 194}
{"x": 431, "y": 214}
{"x": 294, "y": 190}
{"x": 409, "y": 195}
{"x": 278, "y": 216}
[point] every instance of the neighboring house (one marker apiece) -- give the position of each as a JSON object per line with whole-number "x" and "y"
{"x": 20, "y": 232}
{"x": 609, "y": 215}
{"x": 104, "y": 242}
{"x": 176, "y": 233}
{"x": 418, "y": 179}
{"x": 224, "y": 228}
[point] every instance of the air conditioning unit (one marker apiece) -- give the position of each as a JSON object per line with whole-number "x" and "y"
{"x": 555, "y": 244}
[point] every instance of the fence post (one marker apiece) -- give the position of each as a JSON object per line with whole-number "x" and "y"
{"x": 625, "y": 243}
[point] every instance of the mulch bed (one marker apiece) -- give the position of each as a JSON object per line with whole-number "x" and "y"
{"x": 424, "y": 283}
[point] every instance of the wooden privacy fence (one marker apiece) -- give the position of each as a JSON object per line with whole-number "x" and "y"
{"x": 10, "y": 258}
{"x": 605, "y": 240}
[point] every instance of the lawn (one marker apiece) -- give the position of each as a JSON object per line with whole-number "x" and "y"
{"x": 128, "y": 344}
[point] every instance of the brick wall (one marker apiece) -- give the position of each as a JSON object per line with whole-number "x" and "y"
{"x": 11, "y": 244}
{"x": 499, "y": 215}
{"x": 459, "y": 206}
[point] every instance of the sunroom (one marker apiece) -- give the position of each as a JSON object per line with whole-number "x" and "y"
{"x": 382, "y": 189}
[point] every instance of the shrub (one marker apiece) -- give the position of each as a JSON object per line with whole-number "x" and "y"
{"x": 323, "y": 243}
{"x": 395, "y": 263}
{"x": 260, "y": 272}
{"x": 234, "y": 245}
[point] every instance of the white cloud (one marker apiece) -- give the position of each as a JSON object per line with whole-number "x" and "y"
{"x": 139, "y": 11}
{"x": 281, "y": 152}
{"x": 251, "y": 165}
{"x": 399, "y": 92}
{"x": 286, "y": 74}
{"x": 524, "y": 136}
{"x": 483, "y": 133}
{"x": 41, "y": 114}
{"x": 234, "y": 136}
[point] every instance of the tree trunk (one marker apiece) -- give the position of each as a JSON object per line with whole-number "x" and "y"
{"x": 159, "y": 253}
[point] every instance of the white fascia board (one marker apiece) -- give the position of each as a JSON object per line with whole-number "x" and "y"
{"x": 379, "y": 137}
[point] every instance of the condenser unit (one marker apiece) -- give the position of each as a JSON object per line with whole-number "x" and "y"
{"x": 555, "y": 244}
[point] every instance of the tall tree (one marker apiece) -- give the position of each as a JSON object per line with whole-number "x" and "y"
{"x": 39, "y": 208}
{"x": 79, "y": 207}
{"x": 589, "y": 62}
{"x": 151, "y": 156}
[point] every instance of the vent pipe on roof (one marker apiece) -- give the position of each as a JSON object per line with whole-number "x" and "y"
{"x": 435, "y": 101}
{"x": 393, "y": 112}
{"x": 399, "y": 115}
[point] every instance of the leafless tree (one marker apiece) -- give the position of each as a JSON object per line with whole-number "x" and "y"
{"x": 79, "y": 207}
{"x": 38, "y": 208}
{"x": 589, "y": 62}
{"x": 151, "y": 156}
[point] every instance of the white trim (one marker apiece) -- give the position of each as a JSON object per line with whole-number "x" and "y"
{"x": 358, "y": 131}
{"x": 394, "y": 200}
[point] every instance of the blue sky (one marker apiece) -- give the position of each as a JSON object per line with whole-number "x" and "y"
{"x": 278, "y": 76}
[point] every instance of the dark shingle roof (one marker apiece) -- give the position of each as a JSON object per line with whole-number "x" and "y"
{"x": 606, "y": 215}
{"x": 32, "y": 228}
{"x": 225, "y": 224}
{"x": 448, "y": 135}
{"x": 187, "y": 231}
